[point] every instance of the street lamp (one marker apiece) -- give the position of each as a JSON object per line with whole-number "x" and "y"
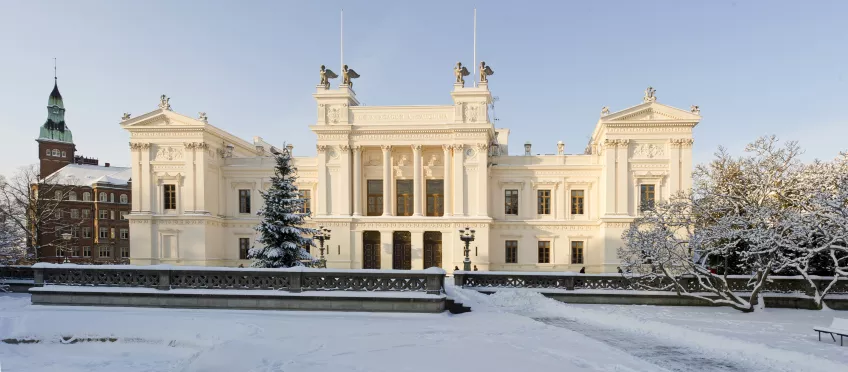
{"x": 67, "y": 238}
{"x": 467, "y": 236}
{"x": 322, "y": 235}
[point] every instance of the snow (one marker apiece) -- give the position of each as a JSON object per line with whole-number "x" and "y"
{"x": 88, "y": 175}
{"x": 238, "y": 292}
{"x": 44, "y": 265}
{"x": 509, "y": 330}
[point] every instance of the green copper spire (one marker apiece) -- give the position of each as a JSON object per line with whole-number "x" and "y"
{"x": 54, "y": 128}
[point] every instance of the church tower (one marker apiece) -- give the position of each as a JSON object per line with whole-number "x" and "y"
{"x": 55, "y": 142}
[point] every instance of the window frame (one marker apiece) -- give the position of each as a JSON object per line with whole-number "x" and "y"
{"x": 104, "y": 252}
{"x": 511, "y": 251}
{"x": 578, "y": 202}
{"x": 544, "y": 251}
{"x": 511, "y": 198}
{"x": 306, "y": 206}
{"x": 374, "y": 199}
{"x": 86, "y": 196}
{"x": 244, "y": 248}
{"x": 438, "y": 205}
{"x": 405, "y": 199}
{"x": 103, "y": 233}
{"x": 244, "y": 201}
{"x": 124, "y": 199}
{"x": 169, "y": 197}
{"x": 86, "y": 232}
{"x": 647, "y": 192}
{"x": 578, "y": 246}
{"x": 543, "y": 201}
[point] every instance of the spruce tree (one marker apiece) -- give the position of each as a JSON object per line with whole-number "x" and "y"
{"x": 280, "y": 231}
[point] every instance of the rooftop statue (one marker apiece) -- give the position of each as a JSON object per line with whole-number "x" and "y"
{"x": 485, "y": 72}
{"x": 326, "y": 75}
{"x": 164, "y": 102}
{"x": 348, "y": 74}
{"x": 650, "y": 95}
{"x": 460, "y": 73}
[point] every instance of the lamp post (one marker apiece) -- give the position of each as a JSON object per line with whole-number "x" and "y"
{"x": 467, "y": 236}
{"x": 66, "y": 237}
{"x": 323, "y": 234}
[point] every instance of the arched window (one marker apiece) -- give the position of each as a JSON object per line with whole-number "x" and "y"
{"x": 103, "y": 197}
{"x": 58, "y": 195}
{"x": 86, "y": 196}
{"x": 123, "y": 198}
{"x": 55, "y": 152}
{"x": 72, "y": 195}
{"x": 112, "y": 197}
{"x": 64, "y": 154}
{"x": 47, "y": 152}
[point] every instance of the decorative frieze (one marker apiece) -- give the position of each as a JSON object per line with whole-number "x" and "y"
{"x": 169, "y": 154}
{"x": 617, "y": 225}
{"x": 196, "y": 145}
{"x": 685, "y": 143}
{"x": 139, "y": 145}
{"x": 524, "y": 226}
{"x": 649, "y": 151}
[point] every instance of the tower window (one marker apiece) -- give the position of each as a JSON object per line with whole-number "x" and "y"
{"x": 47, "y": 152}
{"x": 55, "y": 152}
{"x": 86, "y": 196}
{"x": 124, "y": 199}
{"x": 64, "y": 154}
{"x": 103, "y": 197}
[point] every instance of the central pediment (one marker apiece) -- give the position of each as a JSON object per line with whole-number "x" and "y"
{"x": 652, "y": 112}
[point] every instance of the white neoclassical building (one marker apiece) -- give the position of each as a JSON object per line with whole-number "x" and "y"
{"x": 396, "y": 183}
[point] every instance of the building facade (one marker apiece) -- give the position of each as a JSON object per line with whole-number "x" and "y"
{"x": 396, "y": 184}
{"x": 88, "y": 201}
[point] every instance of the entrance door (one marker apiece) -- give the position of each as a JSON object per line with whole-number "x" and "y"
{"x": 402, "y": 250}
{"x": 371, "y": 250}
{"x": 432, "y": 249}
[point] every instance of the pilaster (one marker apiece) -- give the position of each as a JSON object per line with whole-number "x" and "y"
{"x": 344, "y": 198}
{"x": 448, "y": 186}
{"x": 357, "y": 183}
{"x": 321, "y": 190}
{"x": 387, "y": 182}
{"x": 458, "y": 180}
{"x": 416, "y": 183}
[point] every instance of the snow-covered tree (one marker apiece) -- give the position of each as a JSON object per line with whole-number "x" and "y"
{"x": 281, "y": 233}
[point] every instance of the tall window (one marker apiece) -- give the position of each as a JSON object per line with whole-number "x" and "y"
{"x": 125, "y": 252}
{"x": 244, "y": 246}
{"x": 544, "y": 201}
{"x": 124, "y": 199}
{"x": 511, "y": 251}
{"x": 75, "y": 231}
{"x": 544, "y": 252}
{"x": 576, "y": 252}
{"x": 125, "y": 234}
{"x": 306, "y": 195}
{"x": 86, "y": 251}
{"x": 47, "y": 152}
{"x": 86, "y": 196}
{"x": 104, "y": 233}
{"x": 123, "y": 215}
{"x": 86, "y": 213}
{"x": 375, "y": 197}
{"x": 646, "y": 197}
{"x": 112, "y": 197}
{"x": 64, "y": 154}
{"x": 72, "y": 195}
{"x": 405, "y": 197}
{"x": 105, "y": 252}
{"x": 58, "y": 195}
{"x": 511, "y": 202}
{"x": 104, "y": 214}
{"x": 104, "y": 197}
{"x": 111, "y": 215}
{"x": 435, "y": 197}
{"x": 58, "y": 214}
{"x": 576, "y": 201}
{"x": 244, "y": 201}
{"x": 75, "y": 251}
{"x": 74, "y": 213}
{"x": 170, "y": 193}
{"x": 86, "y": 232}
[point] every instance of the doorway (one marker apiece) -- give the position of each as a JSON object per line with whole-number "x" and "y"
{"x": 402, "y": 250}
{"x": 432, "y": 249}
{"x": 371, "y": 250}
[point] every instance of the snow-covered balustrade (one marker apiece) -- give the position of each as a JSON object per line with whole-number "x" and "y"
{"x": 16, "y": 272}
{"x": 165, "y": 277}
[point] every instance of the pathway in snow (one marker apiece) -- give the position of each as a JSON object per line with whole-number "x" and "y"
{"x": 662, "y": 353}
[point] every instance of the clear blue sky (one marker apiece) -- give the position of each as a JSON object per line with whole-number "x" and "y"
{"x": 754, "y": 67}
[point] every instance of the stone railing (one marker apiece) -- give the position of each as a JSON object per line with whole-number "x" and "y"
{"x": 16, "y": 272}
{"x": 165, "y": 277}
{"x": 573, "y": 281}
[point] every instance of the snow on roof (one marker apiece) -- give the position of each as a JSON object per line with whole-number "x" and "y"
{"x": 88, "y": 175}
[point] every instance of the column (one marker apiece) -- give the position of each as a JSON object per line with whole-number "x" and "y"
{"x": 417, "y": 250}
{"x": 200, "y": 178}
{"x": 191, "y": 186}
{"x": 135, "y": 153}
{"x": 357, "y": 182}
{"x": 148, "y": 187}
{"x": 609, "y": 178}
{"x": 344, "y": 190}
{"x": 622, "y": 181}
{"x": 458, "y": 181}
{"x": 387, "y": 183}
{"x": 686, "y": 164}
{"x": 416, "y": 180}
{"x": 674, "y": 183}
{"x": 446, "y": 182}
{"x": 482, "y": 180}
{"x": 321, "y": 191}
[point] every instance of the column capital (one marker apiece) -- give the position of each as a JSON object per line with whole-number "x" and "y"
{"x": 321, "y": 148}
{"x": 356, "y": 148}
{"x": 386, "y": 147}
{"x": 344, "y": 147}
{"x": 416, "y": 147}
{"x": 446, "y": 148}
{"x": 457, "y": 146}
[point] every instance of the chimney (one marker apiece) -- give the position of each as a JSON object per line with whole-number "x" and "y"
{"x": 107, "y": 165}
{"x": 527, "y": 147}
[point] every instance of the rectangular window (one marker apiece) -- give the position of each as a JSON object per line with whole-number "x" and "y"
{"x": 58, "y": 214}
{"x": 105, "y": 252}
{"x": 86, "y": 251}
{"x": 576, "y": 252}
{"x": 405, "y": 197}
{"x": 375, "y": 197}
{"x": 75, "y": 231}
{"x": 86, "y": 213}
{"x": 104, "y": 233}
{"x": 74, "y": 213}
{"x": 306, "y": 207}
{"x": 111, "y": 215}
{"x": 170, "y": 194}
{"x": 576, "y": 201}
{"x": 544, "y": 201}
{"x": 125, "y": 234}
{"x": 123, "y": 215}
{"x": 511, "y": 202}
{"x": 435, "y": 198}
{"x": 75, "y": 252}
{"x": 125, "y": 252}
{"x": 86, "y": 232}
{"x": 244, "y": 201}
{"x": 60, "y": 252}
{"x": 104, "y": 214}
{"x": 244, "y": 247}
{"x": 544, "y": 252}
{"x": 646, "y": 197}
{"x": 511, "y": 251}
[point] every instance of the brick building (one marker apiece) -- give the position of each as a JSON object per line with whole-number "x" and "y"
{"x": 94, "y": 199}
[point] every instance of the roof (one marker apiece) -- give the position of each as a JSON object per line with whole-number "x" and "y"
{"x": 55, "y": 97}
{"x": 88, "y": 175}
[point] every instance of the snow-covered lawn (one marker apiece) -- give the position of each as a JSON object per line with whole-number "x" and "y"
{"x": 507, "y": 331}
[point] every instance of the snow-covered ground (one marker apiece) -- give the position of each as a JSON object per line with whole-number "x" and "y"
{"x": 507, "y": 331}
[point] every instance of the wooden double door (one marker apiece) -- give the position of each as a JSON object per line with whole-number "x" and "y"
{"x": 401, "y": 250}
{"x": 371, "y": 250}
{"x": 432, "y": 249}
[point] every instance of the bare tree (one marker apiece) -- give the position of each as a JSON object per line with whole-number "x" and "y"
{"x": 32, "y": 207}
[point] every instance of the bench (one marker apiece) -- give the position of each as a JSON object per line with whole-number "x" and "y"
{"x": 838, "y": 327}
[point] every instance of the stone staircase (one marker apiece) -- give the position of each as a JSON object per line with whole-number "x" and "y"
{"x": 456, "y": 307}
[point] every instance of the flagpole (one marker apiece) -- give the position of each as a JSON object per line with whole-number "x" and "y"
{"x": 474, "y": 64}
{"x": 341, "y": 37}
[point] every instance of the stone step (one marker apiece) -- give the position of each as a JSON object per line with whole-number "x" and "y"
{"x": 456, "y": 307}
